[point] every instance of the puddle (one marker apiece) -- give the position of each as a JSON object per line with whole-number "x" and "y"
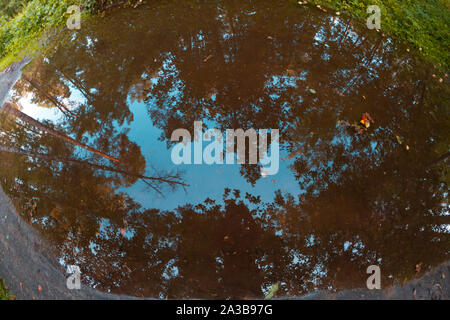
{"x": 362, "y": 126}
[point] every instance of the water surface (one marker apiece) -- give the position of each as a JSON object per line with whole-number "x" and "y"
{"x": 347, "y": 195}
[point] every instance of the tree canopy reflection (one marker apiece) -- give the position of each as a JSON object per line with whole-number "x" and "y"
{"x": 376, "y": 197}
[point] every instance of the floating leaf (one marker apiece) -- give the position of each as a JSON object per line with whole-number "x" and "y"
{"x": 366, "y": 120}
{"x": 272, "y": 291}
{"x": 399, "y": 139}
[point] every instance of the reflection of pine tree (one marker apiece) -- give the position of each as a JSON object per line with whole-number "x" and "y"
{"x": 8, "y": 108}
{"x": 48, "y": 96}
{"x": 172, "y": 180}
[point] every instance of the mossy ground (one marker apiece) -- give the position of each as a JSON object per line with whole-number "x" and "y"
{"x": 21, "y": 33}
{"x": 23, "y": 29}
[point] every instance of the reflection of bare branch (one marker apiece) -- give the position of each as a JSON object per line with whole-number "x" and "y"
{"x": 8, "y": 108}
{"x": 167, "y": 177}
{"x": 171, "y": 180}
{"x": 78, "y": 86}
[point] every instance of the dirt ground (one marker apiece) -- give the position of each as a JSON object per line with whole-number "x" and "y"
{"x": 31, "y": 271}
{"x": 26, "y": 262}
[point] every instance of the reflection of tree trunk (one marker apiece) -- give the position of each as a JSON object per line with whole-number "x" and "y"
{"x": 58, "y": 104}
{"x": 169, "y": 179}
{"x": 8, "y": 108}
{"x": 344, "y": 35}
{"x": 79, "y": 86}
{"x": 441, "y": 158}
{"x": 374, "y": 50}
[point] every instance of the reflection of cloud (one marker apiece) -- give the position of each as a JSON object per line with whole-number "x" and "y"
{"x": 45, "y": 113}
{"x": 36, "y": 112}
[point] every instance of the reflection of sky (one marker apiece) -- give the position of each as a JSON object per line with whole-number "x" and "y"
{"x": 52, "y": 114}
{"x": 204, "y": 180}
{"x": 37, "y": 112}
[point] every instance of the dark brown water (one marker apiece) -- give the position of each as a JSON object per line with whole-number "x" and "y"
{"x": 346, "y": 196}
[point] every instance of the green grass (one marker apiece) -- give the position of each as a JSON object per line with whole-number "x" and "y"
{"x": 4, "y": 293}
{"x": 25, "y": 26}
{"x": 21, "y": 33}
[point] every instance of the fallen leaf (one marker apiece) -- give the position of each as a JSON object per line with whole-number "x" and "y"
{"x": 365, "y": 123}
{"x": 366, "y": 120}
{"x": 272, "y": 291}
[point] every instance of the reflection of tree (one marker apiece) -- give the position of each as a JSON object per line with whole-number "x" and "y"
{"x": 146, "y": 179}
{"x": 8, "y": 108}
{"x": 369, "y": 198}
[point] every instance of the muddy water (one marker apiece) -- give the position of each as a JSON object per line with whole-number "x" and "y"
{"x": 362, "y": 176}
